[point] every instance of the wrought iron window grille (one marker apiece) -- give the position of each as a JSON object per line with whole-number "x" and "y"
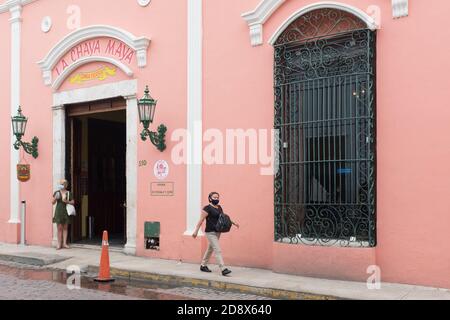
{"x": 325, "y": 114}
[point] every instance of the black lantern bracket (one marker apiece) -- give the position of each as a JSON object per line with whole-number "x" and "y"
{"x": 158, "y": 139}
{"x": 147, "y": 107}
{"x": 19, "y": 123}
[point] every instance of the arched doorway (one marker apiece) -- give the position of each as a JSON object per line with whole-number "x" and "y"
{"x": 325, "y": 116}
{"x": 118, "y": 49}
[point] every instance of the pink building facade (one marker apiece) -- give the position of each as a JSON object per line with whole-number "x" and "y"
{"x": 322, "y": 125}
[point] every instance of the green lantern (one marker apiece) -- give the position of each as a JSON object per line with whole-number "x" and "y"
{"x": 19, "y": 125}
{"x": 147, "y": 108}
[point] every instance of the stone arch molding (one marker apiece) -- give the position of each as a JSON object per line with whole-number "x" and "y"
{"x": 256, "y": 18}
{"x": 139, "y": 44}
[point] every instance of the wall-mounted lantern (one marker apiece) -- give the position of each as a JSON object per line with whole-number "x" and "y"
{"x": 147, "y": 107}
{"x": 19, "y": 124}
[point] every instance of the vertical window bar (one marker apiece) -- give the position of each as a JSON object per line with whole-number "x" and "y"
{"x": 283, "y": 160}
{"x": 322, "y": 141}
{"x": 289, "y": 152}
{"x": 329, "y": 133}
{"x": 346, "y": 139}
{"x": 307, "y": 142}
{"x": 316, "y": 141}
{"x": 313, "y": 105}
{"x": 358, "y": 140}
{"x": 297, "y": 146}
{"x": 316, "y": 167}
{"x": 352, "y": 138}
{"x": 300, "y": 148}
{"x": 334, "y": 132}
{"x": 341, "y": 193}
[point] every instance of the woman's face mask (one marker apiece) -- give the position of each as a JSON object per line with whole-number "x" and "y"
{"x": 61, "y": 187}
{"x": 215, "y": 201}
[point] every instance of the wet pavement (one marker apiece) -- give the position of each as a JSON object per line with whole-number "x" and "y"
{"x": 23, "y": 282}
{"x": 17, "y": 282}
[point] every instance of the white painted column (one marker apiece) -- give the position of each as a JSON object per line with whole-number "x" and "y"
{"x": 131, "y": 171}
{"x": 194, "y": 111}
{"x": 59, "y": 153}
{"x": 16, "y": 21}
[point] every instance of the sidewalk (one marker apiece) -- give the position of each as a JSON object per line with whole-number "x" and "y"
{"x": 245, "y": 280}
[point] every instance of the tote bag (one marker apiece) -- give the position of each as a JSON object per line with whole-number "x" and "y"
{"x": 70, "y": 208}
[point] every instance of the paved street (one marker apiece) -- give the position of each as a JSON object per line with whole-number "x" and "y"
{"x": 160, "y": 279}
{"x": 18, "y": 282}
{"x": 17, "y": 289}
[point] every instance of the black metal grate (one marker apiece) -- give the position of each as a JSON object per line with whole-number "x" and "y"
{"x": 325, "y": 117}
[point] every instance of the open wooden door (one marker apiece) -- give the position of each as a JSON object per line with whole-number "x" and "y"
{"x": 107, "y": 176}
{"x": 96, "y": 168}
{"x": 76, "y": 129}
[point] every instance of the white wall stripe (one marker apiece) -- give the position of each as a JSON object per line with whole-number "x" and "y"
{"x": 132, "y": 171}
{"x": 194, "y": 114}
{"x": 59, "y": 153}
{"x": 16, "y": 21}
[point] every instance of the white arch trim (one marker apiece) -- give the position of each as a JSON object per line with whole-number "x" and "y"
{"x": 139, "y": 44}
{"x": 68, "y": 71}
{"x": 370, "y": 22}
{"x": 256, "y": 18}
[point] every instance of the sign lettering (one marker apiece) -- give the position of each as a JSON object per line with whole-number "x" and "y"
{"x": 107, "y": 47}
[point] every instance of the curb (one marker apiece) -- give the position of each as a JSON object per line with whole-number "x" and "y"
{"x": 32, "y": 259}
{"x": 214, "y": 284}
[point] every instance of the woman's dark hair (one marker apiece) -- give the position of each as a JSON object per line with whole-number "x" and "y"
{"x": 211, "y": 194}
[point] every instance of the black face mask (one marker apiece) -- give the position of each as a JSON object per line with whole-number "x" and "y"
{"x": 215, "y": 202}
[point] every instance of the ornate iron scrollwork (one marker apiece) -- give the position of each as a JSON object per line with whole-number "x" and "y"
{"x": 157, "y": 138}
{"x": 325, "y": 115}
{"x": 318, "y": 23}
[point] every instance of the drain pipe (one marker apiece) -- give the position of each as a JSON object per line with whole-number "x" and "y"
{"x": 22, "y": 223}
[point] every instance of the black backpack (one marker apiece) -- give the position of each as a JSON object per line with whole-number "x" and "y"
{"x": 223, "y": 223}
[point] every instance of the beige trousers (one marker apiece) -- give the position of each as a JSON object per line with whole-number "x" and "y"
{"x": 213, "y": 240}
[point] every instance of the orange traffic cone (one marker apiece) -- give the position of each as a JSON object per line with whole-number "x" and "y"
{"x": 104, "y": 273}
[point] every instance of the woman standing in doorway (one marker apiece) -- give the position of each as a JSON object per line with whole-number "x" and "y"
{"x": 61, "y": 218}
{"x": 211, "y": 213}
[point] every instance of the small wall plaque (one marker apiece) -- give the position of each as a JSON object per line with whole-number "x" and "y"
{"x": 162, "y": 189}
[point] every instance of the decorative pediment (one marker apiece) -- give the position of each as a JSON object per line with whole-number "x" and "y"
{"x": 256, "y": 18}
{"x": 94, "y": 43}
